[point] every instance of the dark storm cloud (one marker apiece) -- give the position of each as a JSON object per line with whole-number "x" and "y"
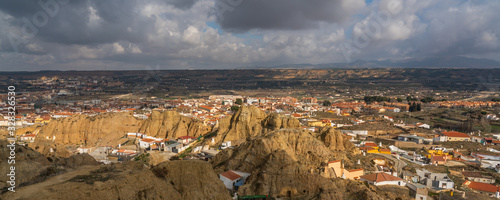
{"x": 182, "y": 4}
{"x": 282, "y": 14}
{"x": 72, "y": 24}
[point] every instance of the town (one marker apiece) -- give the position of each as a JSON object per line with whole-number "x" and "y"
{"x": 403, "y": 141}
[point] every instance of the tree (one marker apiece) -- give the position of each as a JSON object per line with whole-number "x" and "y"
{"x": 235, "y": 108}
{"x": 427, "y": 100}
{"x": 327, "y": 103}
{"x": 370, "y": 99}
{"x": 239, "y": 101}
{"x": 414, "y": 107}
{"x": 399, "y": 99}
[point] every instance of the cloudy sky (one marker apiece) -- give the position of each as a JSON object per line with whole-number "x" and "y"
{"x": 208, "y": 34}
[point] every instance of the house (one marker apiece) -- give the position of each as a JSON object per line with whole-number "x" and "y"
{"x": 369, "y": 144}
{"x": 134, "y": 135}
{"x": 389, "y": 118}
{"x": 439, "y": 138}
{"x": 83, "y": 150}
{"x": 483, "y": 156}
{"x": 477, "y": 177}
{"x": 225, "y": 145}
{"x": 420, "y": 191}
{"x": 492, "y": 117}
{"x": 207, "y": 109}
{"x": 411, "y": 138}
{"x": 456, "y": 136}
{"x": 391, "y": 109}
{"x": 438, "y": 160}
{"x": 172, "y": 146}
{"x": 476, "y": 139}
{"x": 382, "y": 178}
{"x": 357, "y": 132}
{"x": 146, "y": 143}
{"x": 435, "y": 180}
{"x": 314, "y": 123}
{"x": 28, "y": 138}
{"x": 484, "y": 188}
{"x": 233, "y": 178}
{"x": 422, "y": 125}
{"x": 357, "y": 121}
{"x": 185, "y": 139}
{"x": 336, "y": 169}
{"x": 385, "y": 151}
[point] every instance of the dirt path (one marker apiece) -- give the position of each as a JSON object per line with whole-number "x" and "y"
{"x": 25, "y": 192}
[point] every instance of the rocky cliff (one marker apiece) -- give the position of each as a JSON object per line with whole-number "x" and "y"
{"x": 171, "y": 124}
{"x": 336, "y": 141}
{"x": 288, "y": 163}
{"x": 250, "y": 121}
{"x": 102, "y": 129}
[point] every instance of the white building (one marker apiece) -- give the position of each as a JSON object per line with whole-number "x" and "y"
{"x": 146, "y": 143}
{"x": 233, "y": 178}
{"x": 382, "y": 178}
{"x": 225, "y": 145}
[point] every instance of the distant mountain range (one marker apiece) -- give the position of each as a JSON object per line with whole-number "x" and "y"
{"x": 429, "y": 62}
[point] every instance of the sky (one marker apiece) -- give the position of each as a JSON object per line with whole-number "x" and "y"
{"x": 227, "y": 34}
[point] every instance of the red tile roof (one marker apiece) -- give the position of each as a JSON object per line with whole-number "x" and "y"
{"x": 334, "y": 161}
{"x": 366, "y": 148}
{"x": 370, "y": 144}
{"x": 455, "y": 134}
{"x": 148, "y": 140}
{"x": 438, "y": 158}
{"x": 230, "y": 175}
{"x": 29, "y": 135}
{"x": 380, "y": 177}
{"x": 482, "y": 186}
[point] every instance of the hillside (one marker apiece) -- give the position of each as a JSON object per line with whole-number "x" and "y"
{"x": 290, "y": 162}
{"x": 102, "y": 129}
{"x": 130, "y": 181}
{"x": 249, "y": 122}
{"x": 171, "y": 124}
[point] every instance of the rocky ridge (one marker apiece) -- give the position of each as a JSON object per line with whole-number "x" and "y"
{"x": 171, "y": 124}
{"x": 249, "y": 122}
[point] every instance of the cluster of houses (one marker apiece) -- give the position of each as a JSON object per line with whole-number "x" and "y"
{"x": 161, "y": 144}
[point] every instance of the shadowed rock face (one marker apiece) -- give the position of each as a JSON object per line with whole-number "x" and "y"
{"x": 29, "y": 164}
{"x": 250, "y": 121}
{"x": 285, "y": 162}
{"x": 32, "y": 166}
{"x": 194, "y": 180}
{"x": 171, "y": 124}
